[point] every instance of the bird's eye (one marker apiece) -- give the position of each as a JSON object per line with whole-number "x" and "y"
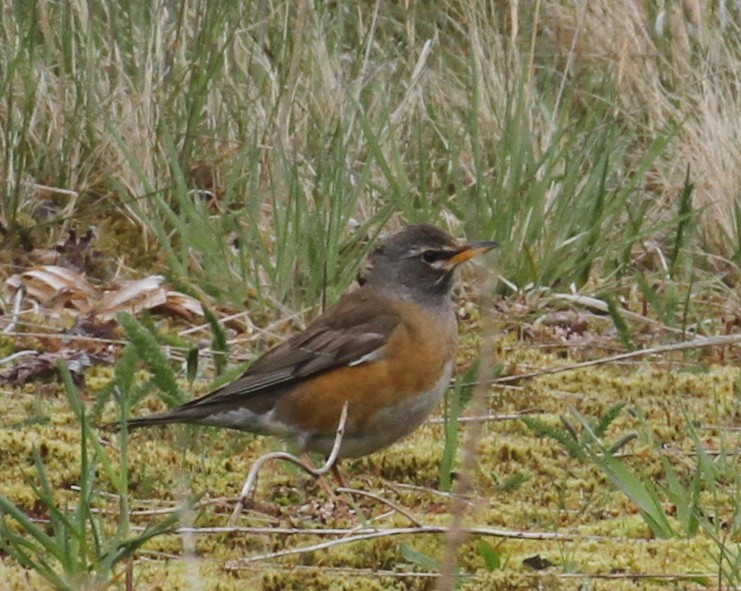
{"x": 429, "y": 256}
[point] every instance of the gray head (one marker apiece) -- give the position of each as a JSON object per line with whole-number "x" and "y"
{"x": 420, "y": 260}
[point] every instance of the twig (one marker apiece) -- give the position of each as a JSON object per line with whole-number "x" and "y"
{"x": 58, "y": 190}
{"x": 426, "y": 489}
{"x": 18, "y": 354}
{"x": 345, "y": 532}
{"x": 382, "y": 500}
{"x": 370, "y": 534}
{"x": 251, "y": 481}
{"x": 348, "y": 571}
{"x": 487, "y": 418}
{"x": 696, "y": 344}
{"x": 627, "y": 575}
{"x": 534, "y": 576}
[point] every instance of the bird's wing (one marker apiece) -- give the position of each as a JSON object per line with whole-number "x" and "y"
{"x": 352, "y": 332}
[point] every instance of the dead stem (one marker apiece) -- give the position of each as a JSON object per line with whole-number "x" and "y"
{"x": 251, "y": 481}
{"x": 457, "y": 534}
{"x": 720, "y": 341}
{"x": 384, "y": 501}
{"x": 370, "y": 534}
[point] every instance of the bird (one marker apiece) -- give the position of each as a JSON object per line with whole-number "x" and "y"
{"x": 386, "y": 349}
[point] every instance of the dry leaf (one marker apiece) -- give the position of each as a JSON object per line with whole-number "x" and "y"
{"x": 54, "y": 287}
{"x": 181, "y": 304}
{"x": 44, "y": 365}
{"x": 133, "y": 297}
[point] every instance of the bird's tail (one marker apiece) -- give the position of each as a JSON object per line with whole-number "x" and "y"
{"x": 161, "y": 418}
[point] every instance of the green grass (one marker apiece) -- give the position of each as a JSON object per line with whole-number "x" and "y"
{"x": 70, "y": 545}
{"x": 247, "y": 142}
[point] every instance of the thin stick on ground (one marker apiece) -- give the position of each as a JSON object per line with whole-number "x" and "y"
{"x": 366, "y": 532}
{"x": 371, "y": 534}
{"x": 251, "y": 481}
{"x": 384, "y": 501}
{"x": 720, "y": 341}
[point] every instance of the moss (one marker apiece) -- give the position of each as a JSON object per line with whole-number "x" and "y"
{"x": 7, "y": 345}
{"x": 522, "y": 482}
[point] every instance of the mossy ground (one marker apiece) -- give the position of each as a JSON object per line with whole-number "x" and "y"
{"x": 522, "y": 482}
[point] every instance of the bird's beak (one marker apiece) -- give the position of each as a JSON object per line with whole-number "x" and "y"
{"x": 469, "y": 251}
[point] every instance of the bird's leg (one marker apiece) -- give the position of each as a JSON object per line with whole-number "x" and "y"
{"x": 326, "y": 486}
{"x": 338, "y": 478}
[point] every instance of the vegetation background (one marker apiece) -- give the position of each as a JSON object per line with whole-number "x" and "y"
{"x": 249, "y": 151}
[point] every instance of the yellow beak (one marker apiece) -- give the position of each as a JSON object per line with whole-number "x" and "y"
{"x": 471, "y": 250}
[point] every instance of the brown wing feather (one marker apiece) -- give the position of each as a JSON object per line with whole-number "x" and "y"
{"x": 357, "y": 325}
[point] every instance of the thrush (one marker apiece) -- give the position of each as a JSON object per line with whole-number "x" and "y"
{"x": 386, "y": 349}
